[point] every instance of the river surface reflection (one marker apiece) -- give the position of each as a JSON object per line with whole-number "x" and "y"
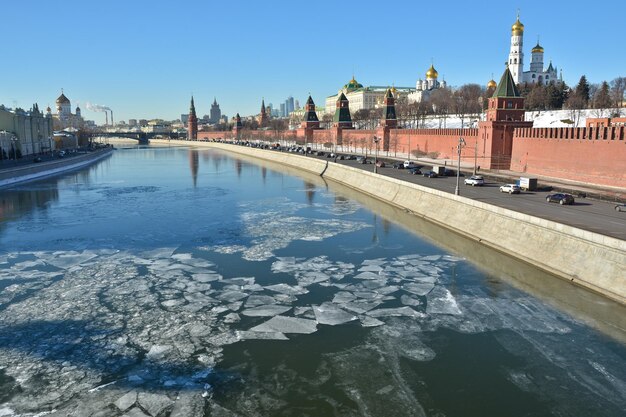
{"x": 177, "y": 282}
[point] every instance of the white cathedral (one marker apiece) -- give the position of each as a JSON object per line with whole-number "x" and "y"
{"x": 537, "y": 73}
{"x": 423, "y": 88}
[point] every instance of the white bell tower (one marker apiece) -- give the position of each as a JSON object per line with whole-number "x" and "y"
{"x": 516, "y": 56}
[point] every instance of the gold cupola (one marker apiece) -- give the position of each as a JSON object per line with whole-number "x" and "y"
{"x": 537, "y": 48}
{"x": 518, "y": 28}
{"x": 432, "y": 72}
{"x": 492, "y": 84}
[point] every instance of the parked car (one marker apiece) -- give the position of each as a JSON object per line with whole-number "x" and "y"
{"x": 620, "y": 207}
{"x": 414, "y": 171}
{"x": 319, "y": 153}
{"x": 361, "y": 160}
{"x": 510, "y": 188}
{"x": 430, "y": 174}
{"x": 474, "y": 180}
{"x": 409, "y": 164}
{"x": 561, "y": 198}
{"x": 380, "y": 164}
{"x": 398, "y": 165}
{"x": 37, "y": 159}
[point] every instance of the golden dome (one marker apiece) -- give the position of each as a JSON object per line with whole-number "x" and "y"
{"x": 492, "y": 84}
{"x": 432, "y": 72}
{"x": 393, "y": 90}
{"x": 517, "y": 28}
{"x": 537, "y": 48}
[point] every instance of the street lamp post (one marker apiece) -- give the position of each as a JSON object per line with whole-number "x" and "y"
{"x": 376, "y": 140}
{"x": 458, "y": 168}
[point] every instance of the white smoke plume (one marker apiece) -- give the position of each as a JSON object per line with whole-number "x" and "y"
{"x": 97, "y": 107}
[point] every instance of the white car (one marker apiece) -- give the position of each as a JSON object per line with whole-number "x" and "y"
{"x": 474, "y": 180}
{"x": 409, "y": 164}
{"x": 510, "y": 188}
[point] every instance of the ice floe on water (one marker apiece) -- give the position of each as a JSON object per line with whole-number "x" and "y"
{"x": 268, "y": 226}
{"x": 105, "y": 325}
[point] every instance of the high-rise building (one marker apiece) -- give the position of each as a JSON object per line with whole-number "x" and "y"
{"x": 216, "y": 113}
{"x": 283, "y": 110}
{"x": 289, "y": 105}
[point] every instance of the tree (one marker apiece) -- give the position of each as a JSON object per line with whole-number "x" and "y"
{"x": 327, "y": 120}
{"x": 602, "y": 97}
{"x": 556, "y": 95}
{"x": 575, "y": 103}
{"x": 359, "y": 118}
{"x": 537, "y": 98}
{"x": 467, "y": 102}
{"x": 583, "y": 90}
{"x": 618, "y": 87}
{"x": 442, "y": 102}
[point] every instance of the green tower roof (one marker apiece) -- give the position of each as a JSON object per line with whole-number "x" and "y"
{"x": 506, "y": 86}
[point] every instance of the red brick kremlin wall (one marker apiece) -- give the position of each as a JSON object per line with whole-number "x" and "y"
{"x": 593, "y": 155}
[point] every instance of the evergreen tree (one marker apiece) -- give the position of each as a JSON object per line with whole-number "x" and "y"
{"x": 582, "y": 90}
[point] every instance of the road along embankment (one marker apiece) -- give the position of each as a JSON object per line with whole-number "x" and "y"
{"x": 41, "y": 170}
{"x": 585, "y": 258}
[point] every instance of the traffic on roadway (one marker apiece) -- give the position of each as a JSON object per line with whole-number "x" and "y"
{"x": 603, "y": 217}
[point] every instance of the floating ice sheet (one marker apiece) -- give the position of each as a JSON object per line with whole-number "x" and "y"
{"x": 266, "y": 310}
{"x": 283, "y": 324}
{"x": 331, "y": 314}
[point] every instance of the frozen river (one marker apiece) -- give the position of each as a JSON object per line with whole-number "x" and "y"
{"x": 174, "y": 282}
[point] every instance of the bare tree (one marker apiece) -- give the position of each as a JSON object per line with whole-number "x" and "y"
{"x": 602, "y": 100}
{"x": 442, "y": 102}
{"x": 327, "y": 121}
{"x": 618, "y": 87}
{"x": 467, "y": 102}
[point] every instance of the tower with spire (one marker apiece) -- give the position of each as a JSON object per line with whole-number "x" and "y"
{"x": 505, "y": 114}
{"x": 263, "y": 119}
{"x": 215, "y": 113}
{"x": 310, "y": 121}
{"x": 192, "y": 122}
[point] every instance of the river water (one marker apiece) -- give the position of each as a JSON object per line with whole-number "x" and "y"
{"x": 177, "y": 282}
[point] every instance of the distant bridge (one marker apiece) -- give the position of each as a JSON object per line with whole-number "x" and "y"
{"x": 141, "y": 137}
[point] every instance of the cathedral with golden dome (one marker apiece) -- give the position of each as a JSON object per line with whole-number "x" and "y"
{"x": 64, "y": 117}
{"x": 537, "y": 73}
{"x": 424, "y": 88}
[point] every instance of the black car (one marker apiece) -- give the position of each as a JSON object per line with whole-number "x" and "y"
{"x": 561, "y": 198}
{"x": 398, "y": 165}
{"x": 430, "y": 174}
{"x": 414, "y": 171}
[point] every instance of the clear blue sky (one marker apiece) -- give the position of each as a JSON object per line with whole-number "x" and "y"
{"x": 145, "y": 58}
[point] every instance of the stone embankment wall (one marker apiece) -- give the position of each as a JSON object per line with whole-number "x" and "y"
{"x": 40, "y": 170}
{"x": 585, "y": 258}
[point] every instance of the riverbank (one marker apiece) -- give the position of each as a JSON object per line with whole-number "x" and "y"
{"x": 585, "y": 258}
{"x": 38, "y": 170}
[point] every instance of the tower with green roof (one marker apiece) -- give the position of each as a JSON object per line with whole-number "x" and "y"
{"x": 506, "y": 103}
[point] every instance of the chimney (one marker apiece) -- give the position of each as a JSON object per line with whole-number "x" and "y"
{"x": 107, "y": 118}
{"x": 112, "y": 124}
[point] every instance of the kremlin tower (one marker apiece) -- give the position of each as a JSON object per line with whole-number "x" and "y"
{"x": 192, "y": 123}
